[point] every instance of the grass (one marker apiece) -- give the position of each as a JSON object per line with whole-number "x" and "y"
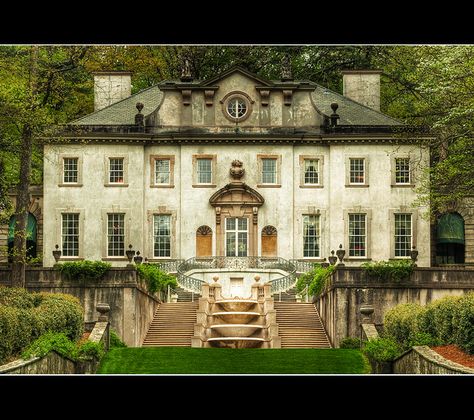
{"x": 187, "y": 360}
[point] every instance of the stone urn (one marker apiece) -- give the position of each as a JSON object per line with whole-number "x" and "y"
{"x": 366, "y": 312}
{"x": 103, "y": 309}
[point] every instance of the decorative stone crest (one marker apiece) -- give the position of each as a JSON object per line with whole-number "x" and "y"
{"x": 204, "y": 230}
{"x": 269, "y": 230}
{"x": 186, "y": 75}
{"x": 236, "y": 170}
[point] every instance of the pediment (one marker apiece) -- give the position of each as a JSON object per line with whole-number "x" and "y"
{"x": 237, "y": 70}
{"x": 236, "y": 194}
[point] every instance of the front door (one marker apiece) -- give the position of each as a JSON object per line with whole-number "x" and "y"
{"x": 236, "y": 236}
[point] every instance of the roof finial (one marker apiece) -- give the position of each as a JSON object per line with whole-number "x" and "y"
{"x": 186, "y": 75}
{"x": 139, "y": 117}
{"x": 286, "y": 74}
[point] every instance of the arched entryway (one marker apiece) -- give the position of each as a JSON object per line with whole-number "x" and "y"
{"x": 236, "y": 207}
{"x": 203, "y": 241}
{"x": 450, "y": 239}
{"x": 269, "y": 241}
{"x": 31, "y": 237}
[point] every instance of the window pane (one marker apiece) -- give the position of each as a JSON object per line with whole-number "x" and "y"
{"x": 402, "y": 170}
{"x": 236, "y": 237}
{"x": 230, "y": 244}
{"x": 268, "y": 171}
{"x": 70, "y": 170}
{"x": 162, "y": 235}
{"x": 311, "y": 236}
{"x": 230, "y": 223}
{"x": 70, "y": 235}
{"x": 115, "y": 235}
{"x": 204, "y": 169}
{"x": 311, "y": 171}
{"x": 242, "y": 244}
{"x": 242, "y": 223}
{"x": 403, "y": 235}
{"x": 162, "y": 171}
{"x": 357, "y": 168}
{"x": 116, "y": 170}
{"x": 357, "y": 235}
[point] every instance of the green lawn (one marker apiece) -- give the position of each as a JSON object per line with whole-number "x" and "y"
{"x": 187, "y": 360}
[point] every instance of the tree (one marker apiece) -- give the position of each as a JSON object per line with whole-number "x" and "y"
{"x": 33, "y": 96}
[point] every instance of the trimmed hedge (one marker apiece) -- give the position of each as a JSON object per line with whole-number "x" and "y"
{"x": 25, "y": 316}
{"x": 316, "y": 279}
{"x": 381, "y": 349}
{"x": 445, "y": 321}
{"x": 87, "y": 270}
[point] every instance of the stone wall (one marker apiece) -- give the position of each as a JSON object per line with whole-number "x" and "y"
{"x": 131, "y": 306}
{"x": 52, "y": 363}
{"x": 421, "y": 359}
{"x": 349, "y": 288}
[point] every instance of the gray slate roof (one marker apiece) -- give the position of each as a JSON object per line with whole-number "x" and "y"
{"x": 124, "y": 111}
{"x": 350, "y": 112}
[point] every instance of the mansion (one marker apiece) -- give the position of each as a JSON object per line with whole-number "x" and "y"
{"x": 237, "y": 165}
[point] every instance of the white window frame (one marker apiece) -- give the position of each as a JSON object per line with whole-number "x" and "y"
{"x": 63, "y": 235}
{"x": 124, "y": 234}
{"x": 61, "y": 171}
{"x": 170, "y": 235}
{"x": 236, "y": 231}
{"x": 107, "y": 182}
{"x": 350, "y": 184}
{"x": 318, "y": 230}
{"x": 277, "y": 183}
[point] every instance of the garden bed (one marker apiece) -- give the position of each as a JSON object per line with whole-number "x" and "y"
{"x": 455, "y": 354}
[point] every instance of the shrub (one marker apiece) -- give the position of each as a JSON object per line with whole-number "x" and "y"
{"x": 89, "y": 350}
{"x": 49, "y": 341}
{"x": 60, "y": 313}
{"x": 350, "y": 343}
{"x": 115, "y": 340}
{"x": 155, "y": 278}
{"x": 60, "y": 343}
{"x": 382, "y": 349}
{"x": 464, "y": 320}
{"x": 389, "y": 270}
{"x": 86, "y": 270}
{"x": 439, "y": 317}
{"x": 25, "y": 316}
{"x": 402, "y": 323}
{"x": 17, "y": 297}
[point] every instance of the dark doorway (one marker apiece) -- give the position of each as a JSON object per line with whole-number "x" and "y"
{"x": 31, "y": 237}
{"x": 450, "y": 244}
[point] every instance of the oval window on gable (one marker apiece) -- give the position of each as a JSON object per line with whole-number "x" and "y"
{"x": 237, "y": 106}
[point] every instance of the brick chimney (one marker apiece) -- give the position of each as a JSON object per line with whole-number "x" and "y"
{"x": 111, "y": 87}
{"x": 362, "y": 86}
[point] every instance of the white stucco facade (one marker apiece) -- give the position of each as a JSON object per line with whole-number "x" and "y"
{"x": 285, "y": 204}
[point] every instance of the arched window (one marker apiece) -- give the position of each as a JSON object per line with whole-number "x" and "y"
{"x": 450, "y": 243}
{"x": 204, "y": 241}
{"x": 269, "y": 241}
{"x": 31, "y": 235}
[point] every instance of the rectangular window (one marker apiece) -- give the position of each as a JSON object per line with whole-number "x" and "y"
{"x": 403, "y": 235}
{"x": 70, "y": 170}
{"x": 116, "y": 170}
{"x": 402, "y": 170}
{"x": 70, "y": 234}
{"x": 115, "y": 235}
{"x": 236, "y": 237}
{"x": 269, "y": 171}
{"x": 204, "y": 171}
{"x": 357, "y": 171}
{"x": 162, "y": 235}
{"x": 162, "y": 171}
{"x": 311, "y": 171}
{"x": 311, "y": 236}
{"x": 357, "y": 235}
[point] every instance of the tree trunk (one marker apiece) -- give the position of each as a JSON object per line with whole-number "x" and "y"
{"x": 21, "y": 211}
{"x": 23, "y": 194}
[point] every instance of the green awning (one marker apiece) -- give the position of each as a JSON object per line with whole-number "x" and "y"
{"x": 30, "y": 228}
{"x": 450, "y": 229}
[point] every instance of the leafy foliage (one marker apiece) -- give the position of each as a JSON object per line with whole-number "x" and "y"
{"x": 350, "y": 343}
{"x": 382, "y": 349}
{"x": 61, "y": 343}
{"x": 87, "y": 270}
{"x": 445, "y": 321}
{"x": 315, "y": 279}
{"x": 25, "y": 316}
{"x": 115, "y": 340}
{"x": 389, "y": 270}
{"x": 155, "y": 278}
